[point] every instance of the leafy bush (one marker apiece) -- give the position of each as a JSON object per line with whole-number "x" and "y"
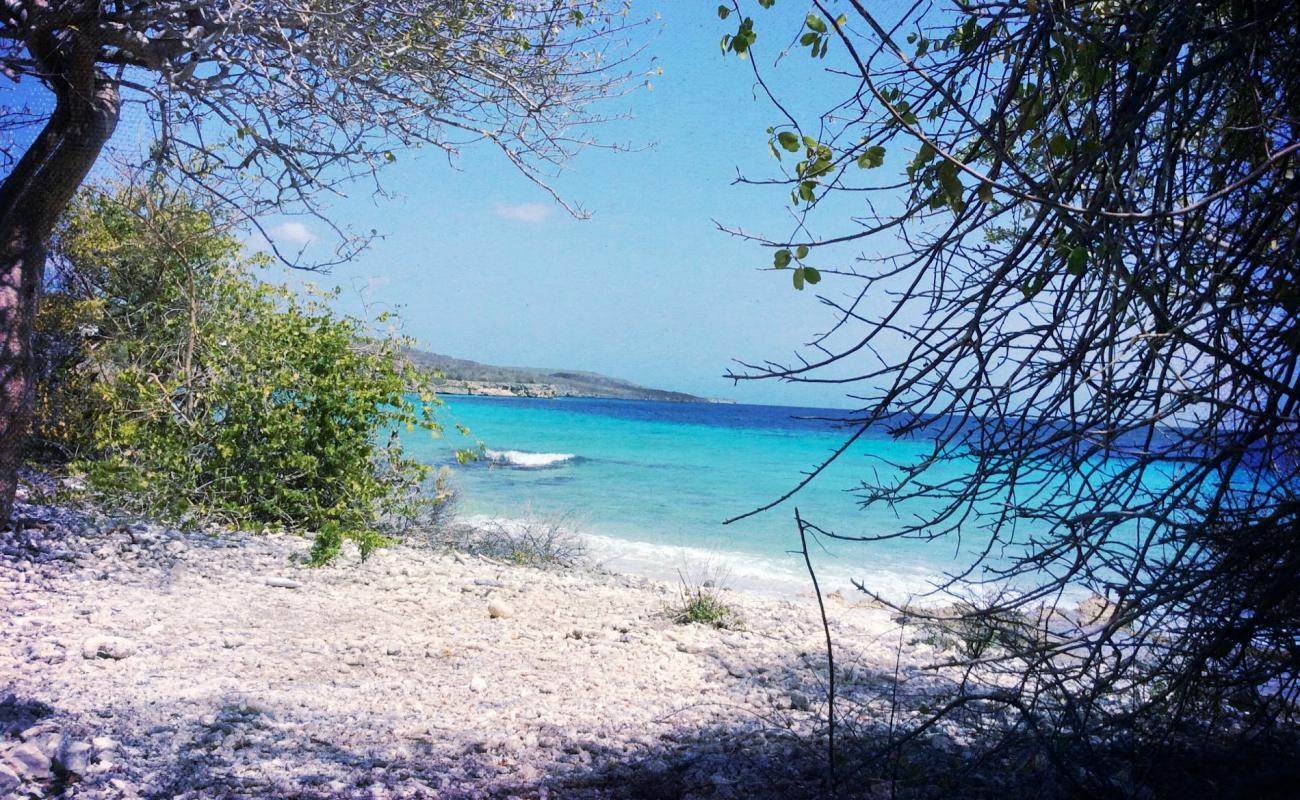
{"x": 182, "y": 386}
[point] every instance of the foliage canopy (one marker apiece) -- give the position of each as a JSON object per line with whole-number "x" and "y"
{"x": 180, "y": 384}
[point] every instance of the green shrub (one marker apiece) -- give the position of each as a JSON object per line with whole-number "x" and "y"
{"x": 326, "y": 546}
{"x": 182, "y": 386}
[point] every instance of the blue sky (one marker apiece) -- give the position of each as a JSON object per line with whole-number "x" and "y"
{"x": 483, "y": 265}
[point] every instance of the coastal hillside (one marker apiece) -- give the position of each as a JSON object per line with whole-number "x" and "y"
{"x": 461, "y": 376}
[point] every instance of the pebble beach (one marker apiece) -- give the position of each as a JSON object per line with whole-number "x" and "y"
{"x": 139, "y": 661}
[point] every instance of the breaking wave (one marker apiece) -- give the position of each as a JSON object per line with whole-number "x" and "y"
{"x": 522, "y": 460}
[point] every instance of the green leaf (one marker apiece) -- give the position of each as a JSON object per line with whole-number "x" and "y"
{"x": 1059, "y": 145}
{"x": 811, "y": 275}
{"x": 808, "y": 38}
{"x": 806, "y": 191}
{"x": 815, "y": 23}
{"x": 788, "y": 140}
{"x": 872, "y": 157}
{"x": 798, "y": 278}
{"x": 1077, "y": 262}
{"x": 723, "y": 12}
{"x": 781, "y": 259}
{"x": 949, "y": 182}
{"x": 801, "y": 251}
{"x": 986, "y": 192}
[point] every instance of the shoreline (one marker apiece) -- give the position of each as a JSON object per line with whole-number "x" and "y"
{"x": 763, "y": 576}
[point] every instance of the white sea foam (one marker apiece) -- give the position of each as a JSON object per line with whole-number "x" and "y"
{"x": 523, "y": 460}
{"x": 782, "y": 575}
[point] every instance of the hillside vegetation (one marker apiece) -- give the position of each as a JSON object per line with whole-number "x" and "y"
{"x": 460, "y": 376}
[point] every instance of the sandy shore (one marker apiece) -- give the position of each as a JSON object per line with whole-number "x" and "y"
{"x": 138, "y": 661}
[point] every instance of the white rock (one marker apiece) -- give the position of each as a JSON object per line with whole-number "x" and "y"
{"x": 38, "y": 729}
{"x": 103, "y": 744}
{"x": 46, "y": 652}
{"x": 75, "y": 758}
{"x": 9, "y": 780}
{"x": 30, "y": 762}
{"x": 799, "y": 701}
{"x": 283, "y": 583}
{"x": 499, "y": 609}
{"x": 49, "y": 743}
{"x": 114, "y": 647}
{"x": 477, "y": 683}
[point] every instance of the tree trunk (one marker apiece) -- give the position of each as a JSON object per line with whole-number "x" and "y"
{"x": 31, "y": 199}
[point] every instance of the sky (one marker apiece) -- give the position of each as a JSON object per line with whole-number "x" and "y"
{"x": 482, "y": 264}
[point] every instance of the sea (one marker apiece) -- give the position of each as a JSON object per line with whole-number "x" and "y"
{"x": 649, "y": 485}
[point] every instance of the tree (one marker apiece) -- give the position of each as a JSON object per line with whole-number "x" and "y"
{"x": 1066, "y": 234}
{"x": 181, "y": 386}
{"x": 267, "y": 106}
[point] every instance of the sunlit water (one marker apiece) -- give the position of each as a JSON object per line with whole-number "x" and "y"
{"x": 650, "y": 484}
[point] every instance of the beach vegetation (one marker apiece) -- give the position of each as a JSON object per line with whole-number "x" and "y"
{"x": 183, "y": 386}
{"x": 531, "y": 540}
{"x": 1060, "y": 241}
{"x": 700, "y": 601}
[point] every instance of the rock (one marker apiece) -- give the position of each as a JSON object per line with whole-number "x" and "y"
{"x": 47, "y": 653}
{"x": 1094, "y": 609}
{"x": 9, "y": 780}
{"x": 74, "y": 758}
{"x": 393, "y": 649}
{"x": 499, "y": 609}
{"x": 799, "y": 701}
{"x": 283, "y": 583}
{"x": 477, "y": 683}
{"x": 38, "y": 729}
{"x": 29, "y": 762}
{"x": 50, "y": 744}
{"x": 114, "y": 647}
{"x": 103, "y": 744}
{"x": 492, "y": 582}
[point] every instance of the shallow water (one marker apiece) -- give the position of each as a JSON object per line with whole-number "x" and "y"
{"x": 651, "y": 483}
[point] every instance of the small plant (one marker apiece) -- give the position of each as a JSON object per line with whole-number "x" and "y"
{"x": 327, "y": 545}
{"x": 533, "y": 541}
{"x": 974, "y": 635}
{"x": 369, "y": 541}
{"x": 700, "y": 601}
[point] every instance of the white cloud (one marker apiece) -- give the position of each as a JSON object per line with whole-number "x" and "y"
{"x": 531, "y": 213}
{"x": 294, "y": 233}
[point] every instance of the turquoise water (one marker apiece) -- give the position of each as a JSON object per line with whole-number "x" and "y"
{"x": 651, "y": 483}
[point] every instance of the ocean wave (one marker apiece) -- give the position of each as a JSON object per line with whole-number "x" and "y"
{"x": 523, "y": 460}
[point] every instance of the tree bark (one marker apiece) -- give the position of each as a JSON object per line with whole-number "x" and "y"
{"x": 31, "y": 199}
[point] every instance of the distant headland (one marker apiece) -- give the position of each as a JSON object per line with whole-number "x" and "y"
{"x": 461, "y": 376}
